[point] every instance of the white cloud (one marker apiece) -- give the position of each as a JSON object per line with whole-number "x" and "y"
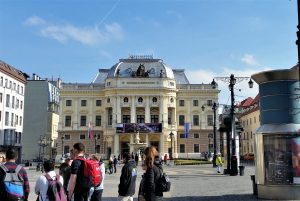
{"x": 34, "y": 21}
{"x": 242, "y": 90}
{"x": 84, "y": 35}
{"x": 249, "y": 60}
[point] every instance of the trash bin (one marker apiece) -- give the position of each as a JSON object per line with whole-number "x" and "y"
{"x": 242, "y": 170}
{"x": 254, "y": 185}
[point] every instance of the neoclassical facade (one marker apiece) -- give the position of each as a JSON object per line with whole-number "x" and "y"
{"x": 137, "y": 94}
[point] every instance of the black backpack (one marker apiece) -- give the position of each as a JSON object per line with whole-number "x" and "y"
{"x": 164, "y": 182}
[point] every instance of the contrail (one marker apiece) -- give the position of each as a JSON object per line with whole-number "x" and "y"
{"x": 109, "y": 12}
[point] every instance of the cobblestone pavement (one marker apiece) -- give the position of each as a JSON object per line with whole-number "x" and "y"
{"x": 189, "y": 183}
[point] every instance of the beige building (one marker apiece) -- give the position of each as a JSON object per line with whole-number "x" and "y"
{"x": 249, "y": 120}
{"x": 138, "y": 94}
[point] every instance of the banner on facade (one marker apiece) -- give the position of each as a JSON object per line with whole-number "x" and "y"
{"x": 186, "y": 130}
{"x": 141, "y": 127}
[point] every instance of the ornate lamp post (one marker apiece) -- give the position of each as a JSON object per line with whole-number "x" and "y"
{"x": 210, "y": 136}
{"x": 62, "y": 146}
{"x": 44, "y": 142}
{"x": 232, "y": 80}
{"x": 214, "y": 108}
{"x": 171, "y": 136}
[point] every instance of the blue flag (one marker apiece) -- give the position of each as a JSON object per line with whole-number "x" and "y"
{"x": 186, "y": 130}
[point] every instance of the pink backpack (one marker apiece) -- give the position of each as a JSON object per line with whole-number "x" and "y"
{"x": 55, "y": 190}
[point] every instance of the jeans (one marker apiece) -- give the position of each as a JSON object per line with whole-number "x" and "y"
{"x": 81, "y": 196}
{"x": 97, "y": 195}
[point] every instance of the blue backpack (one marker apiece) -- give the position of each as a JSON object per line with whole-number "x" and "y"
{"x": 13, "y": 184}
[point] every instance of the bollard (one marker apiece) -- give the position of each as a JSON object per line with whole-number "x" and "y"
{"x": 242, "y": 170}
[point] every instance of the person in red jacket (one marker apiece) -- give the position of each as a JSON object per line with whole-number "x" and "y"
{"x": 166, "y": 159}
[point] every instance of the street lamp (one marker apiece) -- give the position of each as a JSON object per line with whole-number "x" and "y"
{"x": 232, "y": 80}
{"x": 62, "y": 146}
{"x": 171, "y": 136}
{"x": 214, "y": 108}
{"x": 43, "y": 142}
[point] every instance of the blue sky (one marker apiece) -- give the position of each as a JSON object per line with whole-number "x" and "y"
{"x": 208, "y": 38}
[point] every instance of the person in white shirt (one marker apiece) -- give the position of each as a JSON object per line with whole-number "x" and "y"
{"x": 96, "y": 192}
{"x": 41, "y": 185}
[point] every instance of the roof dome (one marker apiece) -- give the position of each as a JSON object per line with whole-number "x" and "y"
{"x": 141, "y": 66}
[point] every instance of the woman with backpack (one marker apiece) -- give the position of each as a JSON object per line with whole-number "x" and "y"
{"x": 149, "y": 185}
{"x": 45, "y": 182}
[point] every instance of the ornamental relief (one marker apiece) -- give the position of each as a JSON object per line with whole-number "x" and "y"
{"x": 68, "y": 112}
{"x": 83, "y": 112}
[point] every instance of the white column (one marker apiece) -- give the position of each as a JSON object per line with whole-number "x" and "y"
{"x": 133, "y": 110}
{"x": 147, "y": 110}
{"x": 114, "y": 111}
{"x": 147, "y": 139}
{"x": 161, "y": 144}
{"x": 131, "y": 142}
{"x": 119, "y": 115}
{"x": 116, "y": 144}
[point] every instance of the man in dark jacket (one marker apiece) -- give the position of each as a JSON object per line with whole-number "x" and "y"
{"x": 127, "y": 179}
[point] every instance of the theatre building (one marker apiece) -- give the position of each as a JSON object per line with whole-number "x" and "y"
{"x": 142, "y": 95}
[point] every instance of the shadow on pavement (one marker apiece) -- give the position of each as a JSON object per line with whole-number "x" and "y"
{"x": 246, "y": 197}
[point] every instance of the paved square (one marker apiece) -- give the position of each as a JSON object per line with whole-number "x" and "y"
{"x": 197, "y": 182}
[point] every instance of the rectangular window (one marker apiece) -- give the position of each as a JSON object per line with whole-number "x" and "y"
{"x": 12, "y": 117}
{"x": 126, "y": 119}
{"x": 196, "y": 148}
{"x": 22, "y": 90}
{"x": 98, "y": 120}
{"x": 6, "y": 118}
{"x": 109, "y": 120}
{"x": 182, "y": 135}
{"x": 82, "y": 137}
{"x": 196, "y": 135}
{"x": 195, "y": 103}
{"x": 210, "y": 121}
{"x": 21, "y": 104}
{"x": 154, "y": 118}
{"x": 5, "y": 83}
{"x": 140, "y": 118}
{"x": 13, "y": 102}
{"x": 68, "y": 102}
{"x": 182, "y": 148}
{"x": 181, "y": 103}
{"x": 83, "y": 103}
{"x": 68, "y": 121}
{"x": 250, "y": 121}
{"x": 7, "y": 100}
{"x": 66, "y": 149}
{"x": 98, "y": 102}
{"x": 21, "y": 120}
{"x": 67, "y": 137}
{"x": 181, "y": 120}
{"x": 209, "y": 102}
{"x": 0, "y": 97}
{"x": 82, "y": 120}
{"x": 196, "y": 120}
{"x": 254, "y": 119}
{"x": 1, "y": 81}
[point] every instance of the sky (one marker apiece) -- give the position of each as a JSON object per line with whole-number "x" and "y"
{"x": 207, "y": 38}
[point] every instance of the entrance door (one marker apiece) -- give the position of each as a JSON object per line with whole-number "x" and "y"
{"x": 125, "y": 147}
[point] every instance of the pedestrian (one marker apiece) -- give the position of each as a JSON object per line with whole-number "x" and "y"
{"x": 65, "y": 172}
{"x": 42, "y": 183}
{"x": 115, "y": 164}
{"x": 110, "y": 165}
{"x": 11, "y": 166}
{"x": 136, "y": 158}
{"x": 77, "y": 179}
{"x": 166, "y": 159}
{"x": 219, "y": 162}
{"x": 2, "y": 158}
{"x": 150, "y": 190}
{"x": 97, "y": 191}
{"x": 127, "y": 179}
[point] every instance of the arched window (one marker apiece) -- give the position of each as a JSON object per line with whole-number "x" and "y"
{"x": 140, "y": 100}
{"x": 125, "y": 100}
{"x": 154, "y": 99}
